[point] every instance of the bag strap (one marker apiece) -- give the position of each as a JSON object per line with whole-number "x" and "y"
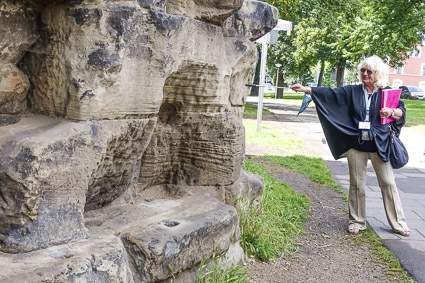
{"x": 391, "y": 133}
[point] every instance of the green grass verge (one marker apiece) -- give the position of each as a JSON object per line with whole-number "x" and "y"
{"x": 214, "y": 270}
{"x": 383, "y": 256}
{"x": 272, "y": 139}
{"x": 314, "y": 168}
{"x": 415, "y": 117}
{"x": 269, "y": 229}
{"x": 251, "y": 109}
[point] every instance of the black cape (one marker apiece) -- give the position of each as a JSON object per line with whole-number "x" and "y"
{"x": 341, "y": 109}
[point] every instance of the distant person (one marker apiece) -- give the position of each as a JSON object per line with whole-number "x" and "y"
{"x": 350, "y": 117}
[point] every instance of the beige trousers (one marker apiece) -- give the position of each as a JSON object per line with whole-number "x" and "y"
{"x": 357, "y": 164}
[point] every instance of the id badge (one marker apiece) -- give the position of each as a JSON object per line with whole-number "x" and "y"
{"x": 364, "y": 125}
{"x": 365, "y": 136}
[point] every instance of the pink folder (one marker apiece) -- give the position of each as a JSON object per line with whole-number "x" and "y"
{"x": 390, "y": 98}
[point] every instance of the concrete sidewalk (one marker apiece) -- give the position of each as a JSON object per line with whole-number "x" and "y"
{"x": 410, "y": 182}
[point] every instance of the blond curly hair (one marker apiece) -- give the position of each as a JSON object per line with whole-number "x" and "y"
{"x": 375, "y": 64}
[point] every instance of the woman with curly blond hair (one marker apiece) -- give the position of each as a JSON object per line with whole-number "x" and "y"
{"x": 351, "y": 120}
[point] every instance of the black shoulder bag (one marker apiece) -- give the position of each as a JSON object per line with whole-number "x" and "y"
{"x": 398, "y": 152}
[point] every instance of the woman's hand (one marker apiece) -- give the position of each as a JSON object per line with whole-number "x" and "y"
{"x": 388, "y": 112}
{"x": 300, "y": 88}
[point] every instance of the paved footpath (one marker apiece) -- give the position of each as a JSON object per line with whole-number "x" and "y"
{"x": 410, "y": 182}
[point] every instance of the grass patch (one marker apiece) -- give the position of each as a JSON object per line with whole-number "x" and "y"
{"x": 214, "y": 270}
{"x": 273, "y": 139}
{"x": 415, "y": 117}
{"x": 287, "y": 94}
{"x": 269, "y": 229}
{"x": 383, "y": 256}
{"x": 251, "y": 109}
{"x": 314, "y": 168}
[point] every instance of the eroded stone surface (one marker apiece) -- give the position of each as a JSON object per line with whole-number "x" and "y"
{"x": 96, "y": 259}
{"x": 214, "y": 11}
{"x": 163, "y": 233}
{"x": 179, "y": 149}
{"x": 17, "y": 35}
{"x": 102, "y": 51}
{"x": 17, "y": 29}
{"x": 52, "y": 170}
{"x": 14, "y": 86}
{"x": 145, "y": 99}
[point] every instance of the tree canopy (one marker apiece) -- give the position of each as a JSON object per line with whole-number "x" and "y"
{"x": 342, "y": 32}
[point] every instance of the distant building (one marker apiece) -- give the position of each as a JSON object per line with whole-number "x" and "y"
{"x": 412, "y": 73}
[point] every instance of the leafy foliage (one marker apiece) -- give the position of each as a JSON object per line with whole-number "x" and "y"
{"x": 342, "y": 32}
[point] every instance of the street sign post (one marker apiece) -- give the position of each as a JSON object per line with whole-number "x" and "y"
{"x": 269, "y": 38}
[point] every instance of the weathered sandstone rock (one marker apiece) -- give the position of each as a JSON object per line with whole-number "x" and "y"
{"x": 96, "y": 259}
{"x": 214, "y": 11}
{"x": 193, "y": 149}
{"x": 248, "y": 187}
{"x": 17, "y": 30}
{"x": 17, "y": 34}
{"x": 169, "y": 233}
{"x": 145, "y": 99}
{"x": 100, "y": 52}
{"x": 14, "y": 87}
{"x": 52, "y": 170}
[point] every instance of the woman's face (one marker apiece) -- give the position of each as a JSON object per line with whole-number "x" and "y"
{"x": 368, "y": 76}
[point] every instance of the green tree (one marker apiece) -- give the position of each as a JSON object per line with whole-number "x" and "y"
{"x": 389, "y": 29}
{"x": 342, "y": 32}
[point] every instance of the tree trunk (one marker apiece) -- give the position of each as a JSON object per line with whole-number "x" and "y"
{"x": 322, "y": 72}
{"x": 340, "y": 73}
{"x": 280, "y": 84}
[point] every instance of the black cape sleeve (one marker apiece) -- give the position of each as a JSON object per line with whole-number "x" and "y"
{"x": 341, "y": 109}
{"x": 336, "y": 111}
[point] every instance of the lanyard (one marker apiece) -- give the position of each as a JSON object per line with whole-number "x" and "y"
{"x": 368, "y": 99}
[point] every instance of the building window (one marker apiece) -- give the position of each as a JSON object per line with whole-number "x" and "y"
{"x": 397, "y": 83}
{"x": 398, "y": 70}
{"x": 422, "y": 85}
{"x": 423, "y": 70}
{"x": 414, "y": 53}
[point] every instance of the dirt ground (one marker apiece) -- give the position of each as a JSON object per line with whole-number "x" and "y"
{"x": 327, "y": 252}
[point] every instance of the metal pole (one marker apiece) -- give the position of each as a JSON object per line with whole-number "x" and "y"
{"x": 278, "y": 65}
{"x": 253, "y": 85}
{"x": 262, "y": 79}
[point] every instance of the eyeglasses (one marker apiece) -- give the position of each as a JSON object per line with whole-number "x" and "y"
{"x": 369, "y": 72}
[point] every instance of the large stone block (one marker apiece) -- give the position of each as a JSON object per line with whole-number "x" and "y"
{"x": 17, "y": 35}
{"x": 152, "y": 95}
{"x": 18, "y": 30}
{"x": 119, "y": 49}
{"x": 99, "y": 52}
{"x": 52, "y": 170}
{"x": 169, "y": 235}
{"x": 214, "y": 11}
{"x": 101, "y": 258}
{"x": 14, "y": 86}
{"x": 193, "y": 149}
{"x": 252, "y": 21}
